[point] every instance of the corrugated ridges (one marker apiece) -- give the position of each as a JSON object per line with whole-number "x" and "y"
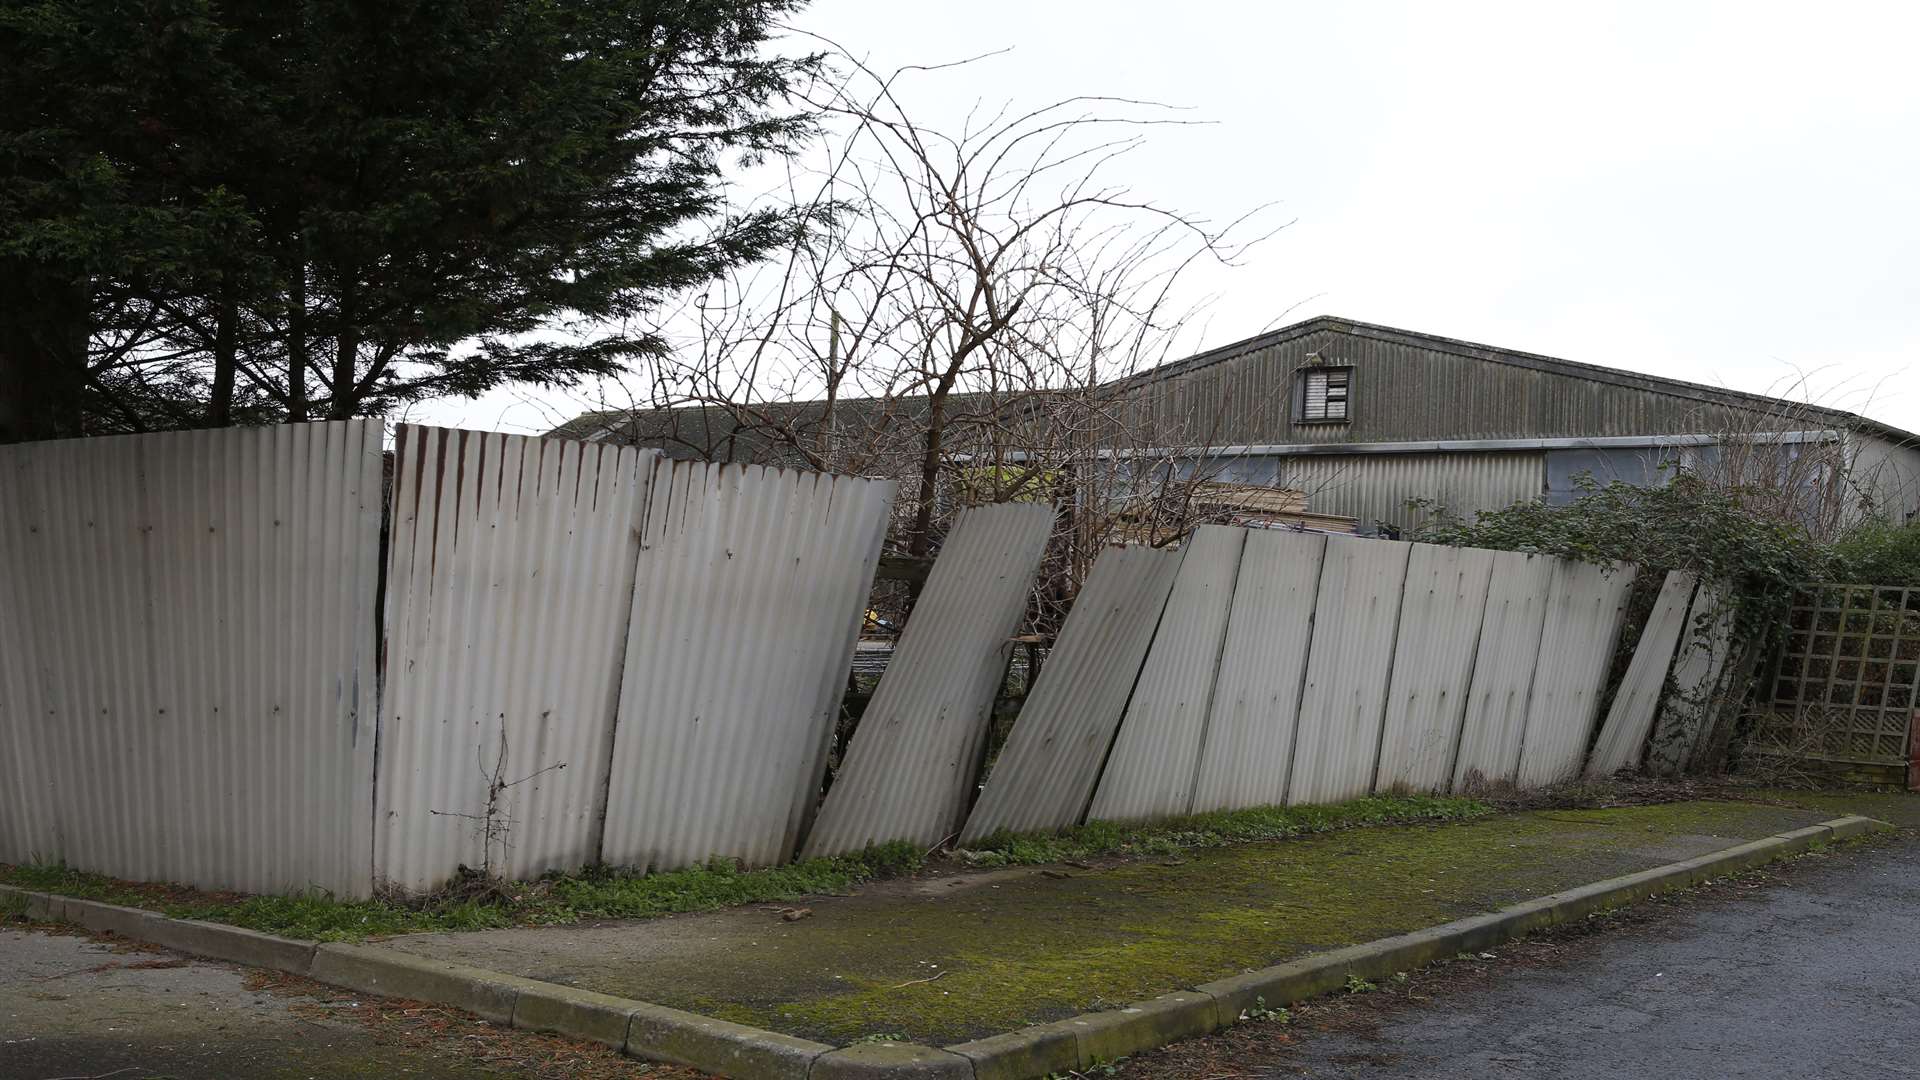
{"x": 909, "y": 771}
{"x": 1047, "y": 770}
{"x": 1256, "y": 698}
{"x": 1630, "y": 717}
{"x": 198, "y": 610}
{"x": 1440, "y": 617}
{"x": 1704, "y": 646}
{"x": 1343, "y": 701}
{"x": 1156, "y": 757}
{"x": 508, "y": 596}
{"x": 1371, "y": 487}
{"x": 1503, "y": 669}
{"x": 1587, "y": 604}
{"x": 746, "y": 605}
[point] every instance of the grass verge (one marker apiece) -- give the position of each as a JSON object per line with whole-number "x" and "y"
{"x": 600, "y": 893}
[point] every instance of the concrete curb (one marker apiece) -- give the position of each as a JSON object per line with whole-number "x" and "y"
{"x": 657, "y": 1033}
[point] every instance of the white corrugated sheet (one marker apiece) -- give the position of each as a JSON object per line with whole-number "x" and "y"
{"x": 1705, "y": 643}
{"x": 1630, "y": 716}
{"x": 1046, "y": 772}
{"x": 1344, "y": 699}
{"x": 1584, "y": 611}
{"x": 1151, "y": 771}
{"x": 746, "y": 604}
{"x": 190, "y": 646}
{"x": 508, "y": 594}
{"x": 1256, "y": 699}
{"x": 1440, "y": 617}
{"x": 909, "y": 771}
{"x": 1503, "y": 670}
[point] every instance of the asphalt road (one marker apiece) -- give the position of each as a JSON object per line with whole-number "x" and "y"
{"x": 1817, "y": 976}
{"x": 73, "y": 1008}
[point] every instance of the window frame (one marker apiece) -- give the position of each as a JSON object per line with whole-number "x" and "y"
{"x": 1300, "y": 394}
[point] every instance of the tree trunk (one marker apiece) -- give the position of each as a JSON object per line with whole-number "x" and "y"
{"x": 920, "y": 538}
{"x": 297, "y": 347}
{"x": 226, "y": 362}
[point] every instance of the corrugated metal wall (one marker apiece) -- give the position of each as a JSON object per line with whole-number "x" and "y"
{"x": 508, "y": 597}
{"x": 1440, "y": 618}
{"x": 1047, "y": 770}
{"x": 910, "y": 769}
{"x": 747, "y": 601}
{"x": 1402, "y": 389}
{"x": 1375, "y": 487}
{"x": 190, "y": 633}
{"x": 1704, "y": 645}
{"x": 1157, "y": 754}
{"x": 1248, "y": 750}
{"x": 1344, "y": 699}
{"x": 1586, "y": 605}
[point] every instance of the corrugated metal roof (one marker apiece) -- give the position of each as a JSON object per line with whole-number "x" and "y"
{"x": 1047, "y": 770}
{"x": 910, "y": 768}
{"x": 1705, "y": 643}
{"x": 189, "y": 639}
{"x": 1156, "y": 757}
{"x": 1343, "y": 702}
{"x": 1630, "y": 717}
{"x": 1263, "y": 662}
{"x": 1440, "y": 618}
{"x": 508, "y": 595}
{"x": 1584, "y": 612}
{"x": 747, "y": 600}
{"x": 1503, "y": 669}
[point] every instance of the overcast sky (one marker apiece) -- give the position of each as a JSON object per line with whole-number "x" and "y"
{"x": 1726, "y": 193}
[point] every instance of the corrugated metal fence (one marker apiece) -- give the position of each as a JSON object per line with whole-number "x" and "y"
{"x": 591, "y": 653}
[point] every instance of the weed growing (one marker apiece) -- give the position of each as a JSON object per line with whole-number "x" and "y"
{"x": 1105, "y": 838}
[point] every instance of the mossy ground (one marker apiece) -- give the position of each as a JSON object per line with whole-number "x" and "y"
{"x": 942, "y": 960}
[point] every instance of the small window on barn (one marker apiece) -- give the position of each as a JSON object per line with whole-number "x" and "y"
{"x": 1324, "y": 395}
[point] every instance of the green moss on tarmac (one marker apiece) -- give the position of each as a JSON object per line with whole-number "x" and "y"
{"x": 1017, "y": 947}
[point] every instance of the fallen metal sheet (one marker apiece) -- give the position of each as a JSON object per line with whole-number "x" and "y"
{"x": 1047, "y": 770}
{"x": 1576, "y": 648}
{"x": 1263, "y": 663}
{"x": 1343, "y": 704}
{"x": 1630, "y": 717}
{"x": 190, "y": 650}
{"x": 1705, "y": 642}
{"x": 1440, "y": 618}
{"x": 509, "y": 586}
{"x": 910, "y": 769}
{"x": 747, "y": 602}
{"x": 1156, "y": 755}
{"x": 1503, "y": 670}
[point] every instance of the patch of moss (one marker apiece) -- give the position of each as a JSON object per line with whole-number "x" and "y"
{"x": 1035, "y": 949}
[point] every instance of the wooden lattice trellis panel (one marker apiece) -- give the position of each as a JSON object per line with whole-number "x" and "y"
{"x": 1843, "y": 687}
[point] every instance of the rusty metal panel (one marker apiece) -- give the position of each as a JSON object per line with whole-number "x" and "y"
{"x": 1047, "y": 770}
{"x": 1440, "y": 619}
{"x": 1503, "y": 670}
{"x": 910, "y": 769}
{"x": 190, "y": 631}
{"x": 1263, "y": 663}
{"x": 1584, "y": 612}
{"x": 1156, "y": 756}
{"x": 1630, "y": 717}
{"x": 509, "y": 580}
{"x": 1343, "y": 703}
{"x": 1705, "y": 644}
{"x": 747, "y": 602}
